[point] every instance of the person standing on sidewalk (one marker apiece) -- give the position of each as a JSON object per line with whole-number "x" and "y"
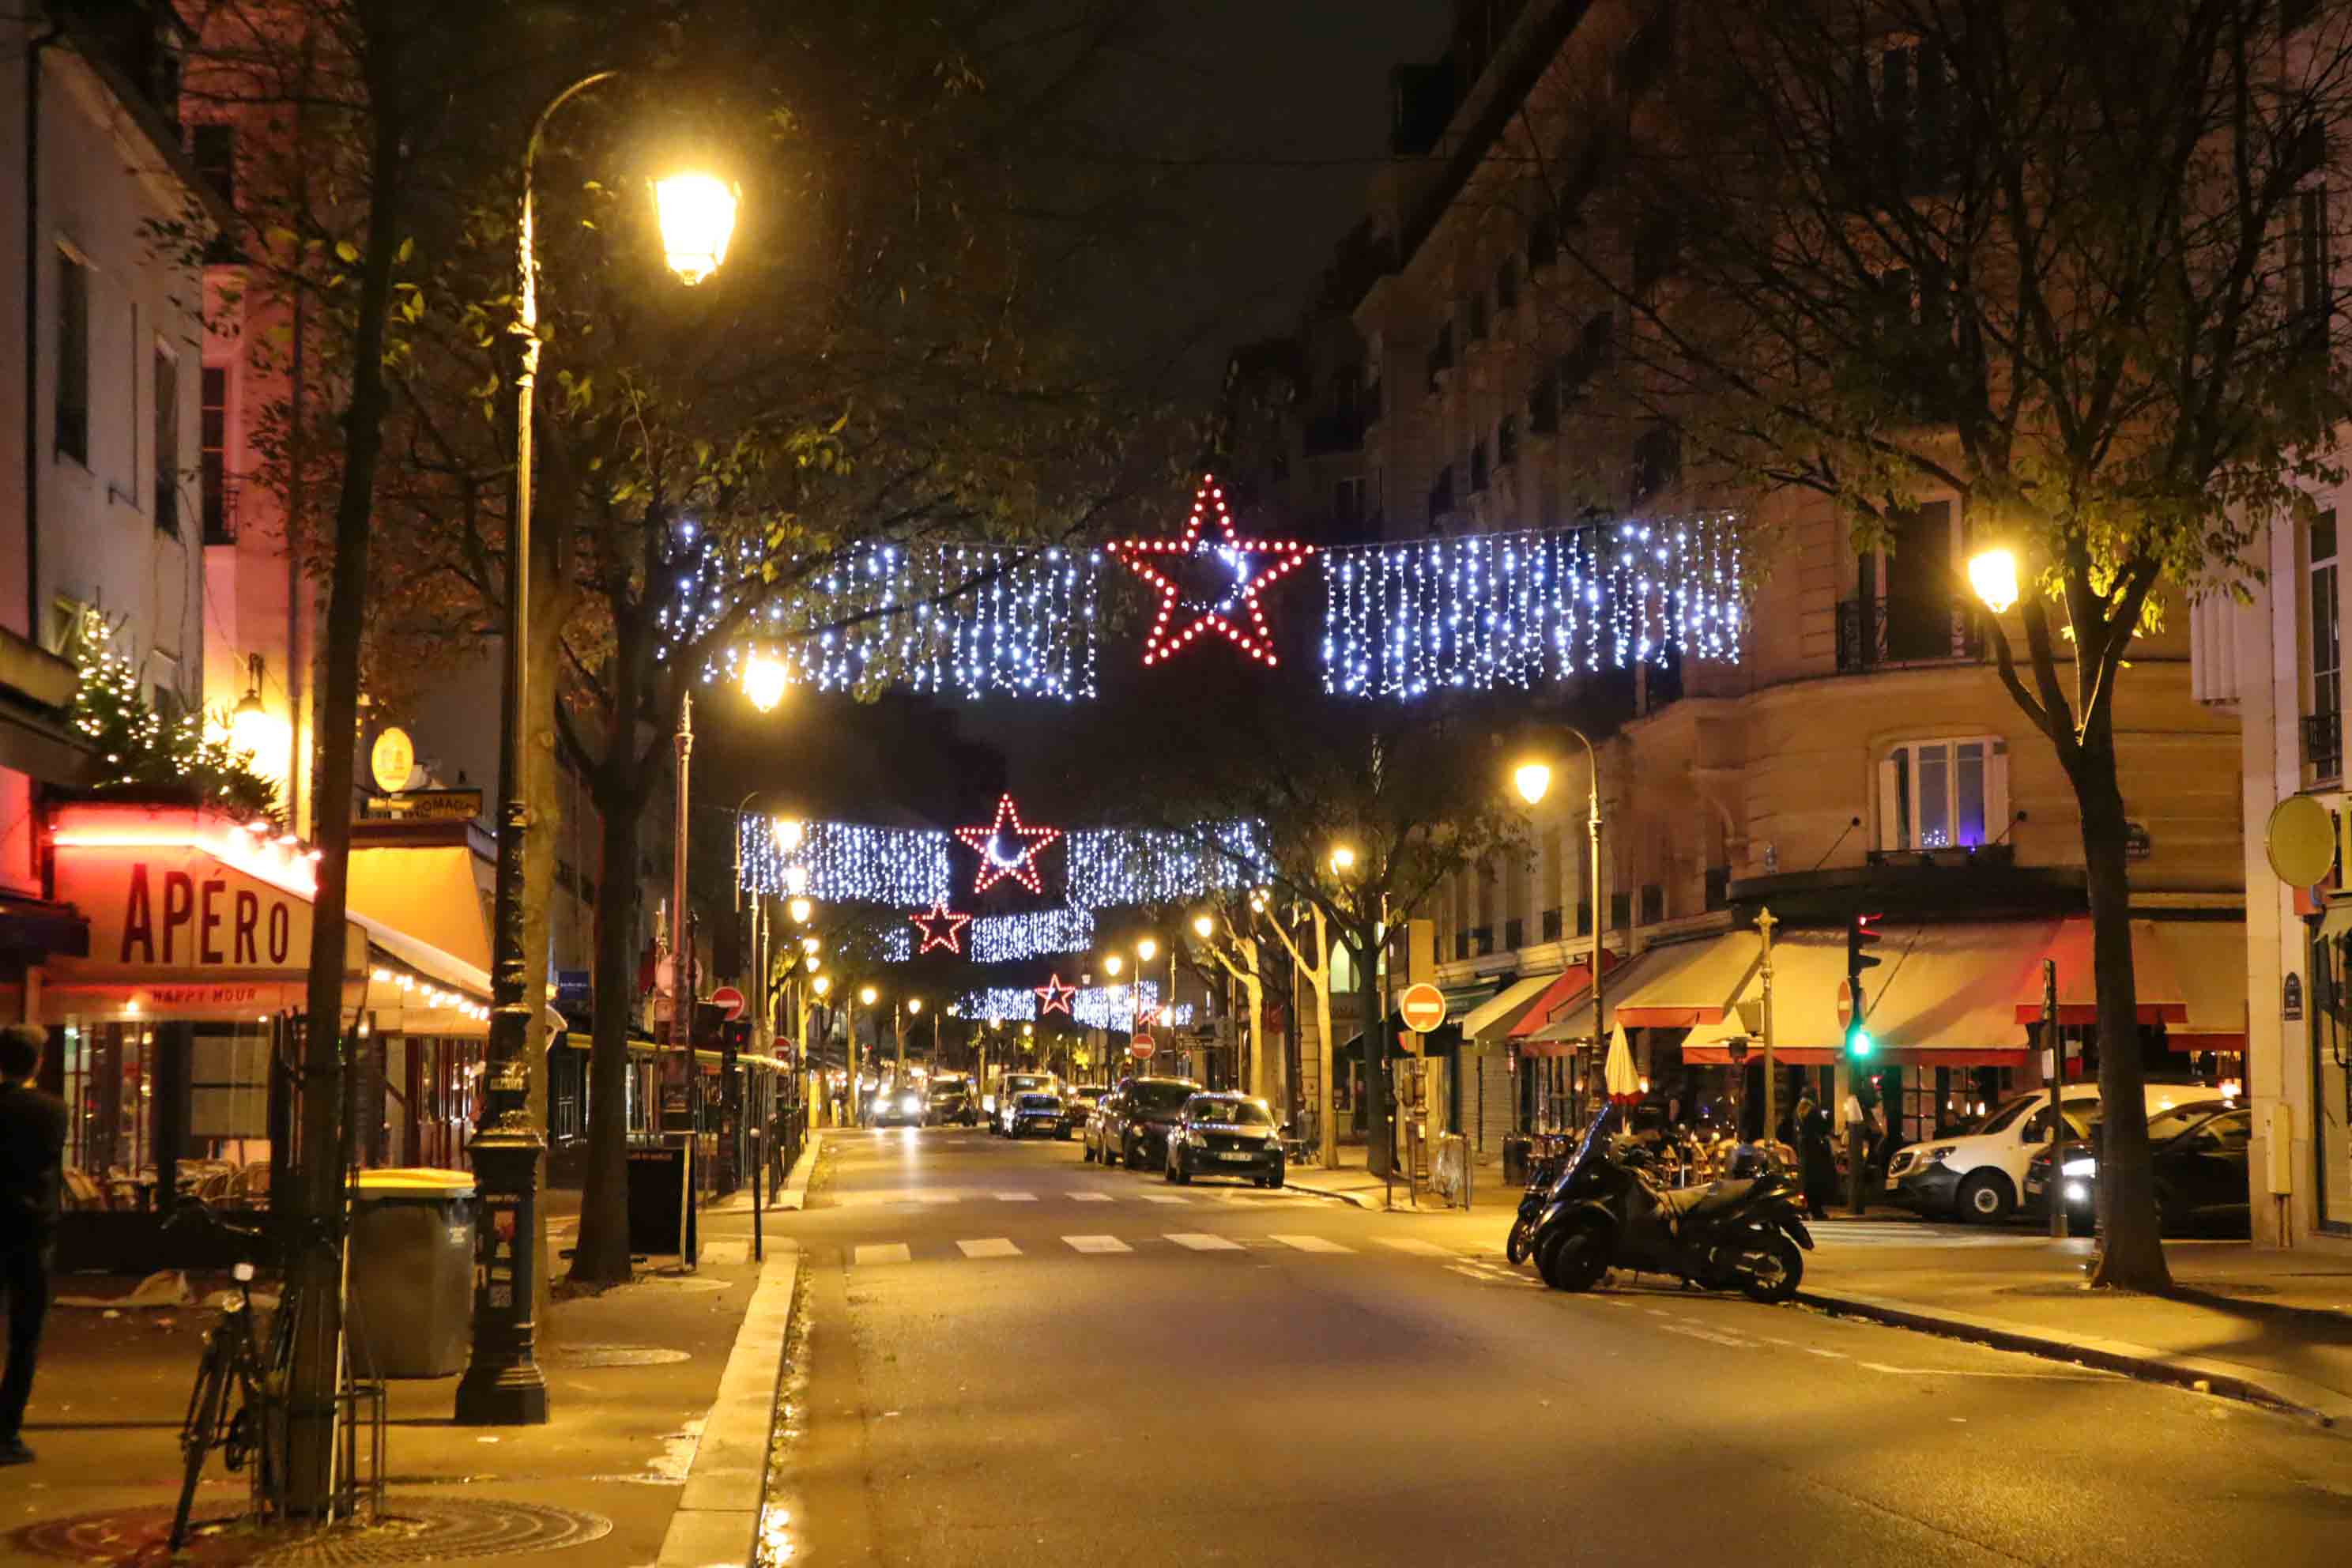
{"x": 1857, "y": 1117}
{"x": 32, "y": 1158}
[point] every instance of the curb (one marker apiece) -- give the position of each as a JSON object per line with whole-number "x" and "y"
{"x": 794, "y": 1194}
{"x": 1338, "y": 1197}
{"x": 718, "y": 1518}
{"x": 2289, "y": 1395}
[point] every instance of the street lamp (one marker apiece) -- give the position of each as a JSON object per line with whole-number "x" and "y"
{"x": 1343, "y": 860}
{"x": 1993, "y": 574}
{"x": 867, "y": 994}
{"x": 801, "y": 910}
{"x": 1147, "y": 950}
{"x": 1112, "y": 964}
{"x": 1533, "y": 779}
{"x": 764, "y": 680}
{"x": 502, "y": 1385}
{"x": 1203, "y": 926}
{"x": 789, "y": 831}
{"x": 810, "y": 944}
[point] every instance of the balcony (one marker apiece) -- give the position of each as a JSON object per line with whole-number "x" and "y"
{"x": 1879, "y": 634}
{"x": 2323, "y": 748}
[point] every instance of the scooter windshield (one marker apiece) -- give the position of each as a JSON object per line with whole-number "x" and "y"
{"x": 1594, "y": 1142}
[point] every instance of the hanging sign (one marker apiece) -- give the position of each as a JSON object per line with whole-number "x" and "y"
{"x": 392, "y": 760}
{"x": 2291, "y": 998}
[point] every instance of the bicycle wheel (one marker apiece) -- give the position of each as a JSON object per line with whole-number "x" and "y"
{"x": 202, "y": 1428}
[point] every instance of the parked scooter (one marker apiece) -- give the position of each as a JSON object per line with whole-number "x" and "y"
{"x": 1605, "y": 1212}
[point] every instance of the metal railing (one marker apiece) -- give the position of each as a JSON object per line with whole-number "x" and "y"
{"x": 1877, "y": 633}
{"x": 2323, "y": 746}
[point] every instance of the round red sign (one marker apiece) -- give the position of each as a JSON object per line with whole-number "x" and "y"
{"x": 1140, "y": 1050}
{"x": 1423, "y": 1007}
{"x": 730, "y": 999}
{"x": 1845, "y": 1004}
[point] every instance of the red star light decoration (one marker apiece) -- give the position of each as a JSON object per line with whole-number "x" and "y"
{"x": 1007, "y": 851}
{"x": 942, "y": 927}
{"x": 1056, "y": 997}
{"x": 1231, "y": 607}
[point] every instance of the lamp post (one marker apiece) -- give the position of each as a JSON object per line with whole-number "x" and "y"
{"x": 1534, "y": 781}
{"x": 502, "y": 1385}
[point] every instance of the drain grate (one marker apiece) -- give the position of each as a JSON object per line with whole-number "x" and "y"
{"x": 412, "y": 1530}
{"x": 611, "y": 1356}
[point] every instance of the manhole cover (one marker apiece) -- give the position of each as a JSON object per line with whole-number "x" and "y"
{"x": 411, "y": 1529}
{"x": 611, "y": 1356}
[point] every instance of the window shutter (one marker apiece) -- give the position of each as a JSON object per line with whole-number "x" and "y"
{"x": 1889, "y": 813}
{"x": 1996, "y": 815}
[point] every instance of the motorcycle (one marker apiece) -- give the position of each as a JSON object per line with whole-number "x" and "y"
{"x": 1604, "y": 1212}
{"x": 1543, "y": 1170}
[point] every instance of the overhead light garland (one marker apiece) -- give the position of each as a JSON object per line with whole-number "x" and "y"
{"x": 1006, "y": 848}
{"x": 1112, "y": 1008}
{"x": 941, "y": 927}
{"x": 1110, "y": 866}
{"x": 1481, "y": 611}
{"x": 1010, "y": 939}
{"x": 1228, "y": 577}
{"x": 845, "y": 862}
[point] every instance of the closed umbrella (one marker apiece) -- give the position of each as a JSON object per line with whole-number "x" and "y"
{"x": 1623, "y": 1083}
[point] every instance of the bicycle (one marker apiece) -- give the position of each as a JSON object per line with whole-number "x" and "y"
{"x": 235, "y": 1367}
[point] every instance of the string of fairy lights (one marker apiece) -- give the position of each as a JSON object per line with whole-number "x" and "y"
{"x": 1009, "y": 939}
{"x": 1117, "y": 1008}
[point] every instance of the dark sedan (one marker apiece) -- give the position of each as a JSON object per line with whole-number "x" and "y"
{"x": 1078, "y": 1102}
{"x": 1133, "y": 1123}
{"x": 952, "y": 1101}
{"x": 2198, "y": 1155}
{"x": 1036, "y": 1110}
{"x": 1226, "y": 1135}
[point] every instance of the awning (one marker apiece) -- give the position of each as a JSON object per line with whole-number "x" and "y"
{"x": 1565, "y": 988}
{"x": 2209, "y": 959}
{"x": 2159, "y": 989}
{"x": 1942, "y": 996}
{"x": 1505, "y": 1008}
{"x": 1468, "y": 995}
{"x": 1690, "y": 983}
{"x": 1571, "y": 1025}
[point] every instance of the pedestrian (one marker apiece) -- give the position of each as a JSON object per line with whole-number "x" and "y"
{"x": 31, "y": 1157}
{"x": 1815, "y": 1156}
{"x": 1857, "y": 1117}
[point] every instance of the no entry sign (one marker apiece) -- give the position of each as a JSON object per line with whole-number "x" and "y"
{"x": 1845, "y": 1004}
{"x": 1423, "y": 1006}
{"x": 1140, "y": 1047}
{"x": 730, "y": 999}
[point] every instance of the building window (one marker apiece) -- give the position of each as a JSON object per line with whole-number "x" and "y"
{"x": 1551, "y": 925}
{"x": 1653, "y": 903}
{"x": 167, "y": 442}
{"x": 1584, "y": 917}
{"x": 72, "y": 392}
{"x": 1657, "y": 461}
{"x": 1543, "y": 402}
{"x": 212, "y": 458}
{"x": 2309, "y": 290}
{"x": 1514, "y": 933}
{"x": 1507, "y": 285}
{"x": 1479, "y": 473}
{"x": 213, "y": 149}
{"x": 2323, "y": 724}
{"x": 1348, "y": 501}
{"x": 1620, "y": 911}
{"x": 1944, "y": 795}
{"x": 1440, "y": 496}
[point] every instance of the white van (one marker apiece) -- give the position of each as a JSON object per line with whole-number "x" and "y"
{"x": 1979, "y": 1175}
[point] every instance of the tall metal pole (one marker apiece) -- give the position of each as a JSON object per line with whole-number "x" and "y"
{"x": 681, "y": 935}
{"x": 1600, "y": 910}
{"x": 2057, "y": 1049}
{"x": 502, "y": 1385}
{"x": 1765, "y": 922}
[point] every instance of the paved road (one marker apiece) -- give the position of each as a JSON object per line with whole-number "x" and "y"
{"x": 1012, "y": 1358}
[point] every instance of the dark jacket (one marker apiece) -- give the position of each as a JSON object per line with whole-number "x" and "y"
{"x": 32, "y": 1162}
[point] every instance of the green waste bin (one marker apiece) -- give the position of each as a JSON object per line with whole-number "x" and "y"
{"x": 412, "y": 1272}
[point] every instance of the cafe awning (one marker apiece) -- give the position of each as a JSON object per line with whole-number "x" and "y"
{"x": 1565, "y": 988}
{"x": 1941, "y": 996}
{"x": 2208, "y": 958}
{"x": 1498, "y": 1011}
{"x": 1571, "y": 1025}
{"x": 2153, "y": 978}
{"x": 1689, "y": 982}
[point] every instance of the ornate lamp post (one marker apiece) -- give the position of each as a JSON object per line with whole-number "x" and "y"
{"x": 502, "y": 1385}
{"x": 1534, "y": 781}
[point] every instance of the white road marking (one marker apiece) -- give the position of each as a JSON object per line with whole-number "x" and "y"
{"x": 1096, "y": 1244}
{"x": 1709, "y": 1335}
{"x": 1017, "y": 1197}
{"x": 1310, "y": 1244}
{"x": 989, "y": 1246}
{"x": 938, "y": 1197}
{"x": 886, "y": 1252}
{"x": 1415, "y": 1247}
{"x": 1160, "y": 1198}
{"x": 2084, "y": 1375}
{"x": 1826, "y": 1355}
{"x": 1200, "y": 1242}
{"x": 1091, "y": 1197}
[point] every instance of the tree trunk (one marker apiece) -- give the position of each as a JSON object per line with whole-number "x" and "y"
{"x": 1327, "y": 1130}
{"x": 314, "y": 1269}
{"x": 601, "y": 1252}
{"x": 2131, "y": 1250}
{"x": 1380, "y": 1138}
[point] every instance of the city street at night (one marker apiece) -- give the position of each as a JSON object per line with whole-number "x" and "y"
{"x": 1012, "y": 1356}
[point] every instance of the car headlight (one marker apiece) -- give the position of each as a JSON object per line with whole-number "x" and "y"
{"x": 1939, "y": 1151}
{"x": 2077, "y": 1193}
{"x": 910, "y": 1103}
{"x": 2085, "y": 1166}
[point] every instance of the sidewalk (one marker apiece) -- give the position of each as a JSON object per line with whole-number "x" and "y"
{"x": 661, "y": 1397}
{"x": 2262, "y": 1324}
{"x": 1350, "y": 1183}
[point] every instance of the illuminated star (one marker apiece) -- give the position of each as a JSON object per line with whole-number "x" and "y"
{"x": 942, "y": 927}
{"x": 1229, "y": 604}
{"x": 1056, "y": 997}
{"x": 1007, "y": 851}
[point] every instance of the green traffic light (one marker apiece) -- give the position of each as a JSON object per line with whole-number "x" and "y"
{"x": 1858, "y": 1043}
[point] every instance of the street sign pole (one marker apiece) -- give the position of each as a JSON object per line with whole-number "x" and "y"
{"x": 1765, "y": 922}
{"x": 2057, "y": 1049}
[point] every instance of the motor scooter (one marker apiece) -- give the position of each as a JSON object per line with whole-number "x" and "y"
{"x": 1605, "y": 1211}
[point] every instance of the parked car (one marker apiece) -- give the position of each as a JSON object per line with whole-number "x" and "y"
{"x": 2198, "y": 1153}
{"x": 952, "y": 1102}
{"x": 1036, "y": 1110}
{"x": 1226, "y": 1135}
{"x": 1980, "y": 1174}
{"x": 1133, "y": 1123}
{"x": 1078, "y": 1103}
{"x": 1009, "y": 1089}
{"x": 897, "y": 1105}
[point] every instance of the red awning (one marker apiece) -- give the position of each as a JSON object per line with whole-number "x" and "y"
{"x": 1822, "y": 1056}
{"x": 2159, "y": 987}
{"x": 1571, "y": 983}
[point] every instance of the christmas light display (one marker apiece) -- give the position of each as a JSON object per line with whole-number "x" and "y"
{"x": 1110, "y": 867}
{"x": 1006, "y": 848}
{"x": 844, "y": 862}
{"x": 1053, "y": 997}
{"x": 1516, "y": 609}
{"x": 138, "y": 753}
{"x": 967, "y": 620}
{"x": 1227, "y": 575}
{"x": 1114, "y": 1007}
{"x": 1009, "y": 939}
{"x": 941, "y": 927}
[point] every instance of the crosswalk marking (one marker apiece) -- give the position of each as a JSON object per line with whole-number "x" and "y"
{"x": 1017, "y": 1197}
{"x": 1310, "y": 1244}
{"x": 1200, "y": 1242}
{"x": 1160, "y": 1198}
{"x": 885, "y": 1252}
{"x": 989, "y": 1246}
{"x": 1091, "y": 1197}
{"x": 1096, "y": 1244}
{"x": 937, "y": 1197}
{"x": 1413, "y": 1246}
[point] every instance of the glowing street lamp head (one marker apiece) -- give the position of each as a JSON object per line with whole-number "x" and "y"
{"x": 1114, "y": 963}
{"x": 764, "y": 680}
{"x": 796, "y": 880}
{"x": 1993, "y": 574}
{"x": 914, "y": 1004}
{"x": 1148, "y": 949}
{"x": 1343, "y": 860}
{"x": 789, "y": 832}
{"x": 800, "y": 910}
{"x": 868, "y": 995}
{"x": 824, "y": 984}
{"x": 698, "y": 219}
{"x": 815, "y": 963}
{"x": 1533, "y": 779}
{"x": 1203, "y": 926}
{"x": 811, "y": 946}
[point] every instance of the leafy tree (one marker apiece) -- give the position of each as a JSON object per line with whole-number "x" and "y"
{"x": 2063, "y": 264}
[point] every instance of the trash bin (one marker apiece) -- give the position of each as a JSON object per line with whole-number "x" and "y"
{"x": 412, "y": 1272}
{"x": 1515, "y": 1161}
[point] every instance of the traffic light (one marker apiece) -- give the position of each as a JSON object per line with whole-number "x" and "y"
{"x": 1862, "y": 934}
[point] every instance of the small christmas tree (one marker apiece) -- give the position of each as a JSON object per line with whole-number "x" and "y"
{"x": 139, "y": 753}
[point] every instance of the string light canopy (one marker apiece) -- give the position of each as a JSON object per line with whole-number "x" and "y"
{"x": 941, "y": 927}
{"x": 1053, "y": 997}
{"x": 1006, "y": 848}
{"x": 1111, "y": 866}
{"x": 1118, "y": 1008}
{"x": 1211, "y": 584}
{"x": 848, "y": 863}
{"x": 1011, "y": 939}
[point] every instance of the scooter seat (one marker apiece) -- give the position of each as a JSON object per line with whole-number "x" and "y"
{"x": 1685, "y": 1202}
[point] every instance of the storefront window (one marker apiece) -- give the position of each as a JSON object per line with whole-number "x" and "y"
{"x": 2331, "y": 1077}
{"x": 1944, "y": 795}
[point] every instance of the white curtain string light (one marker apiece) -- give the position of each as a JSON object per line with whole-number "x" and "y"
{"x": 910, "y": 869}
{"x": 1110, "y": 867}
{"x": 1009, "y": 939}
{"x": 1113, "y": 1007}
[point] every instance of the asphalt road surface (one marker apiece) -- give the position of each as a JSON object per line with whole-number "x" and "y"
{"x": 1011, "y": 1358}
